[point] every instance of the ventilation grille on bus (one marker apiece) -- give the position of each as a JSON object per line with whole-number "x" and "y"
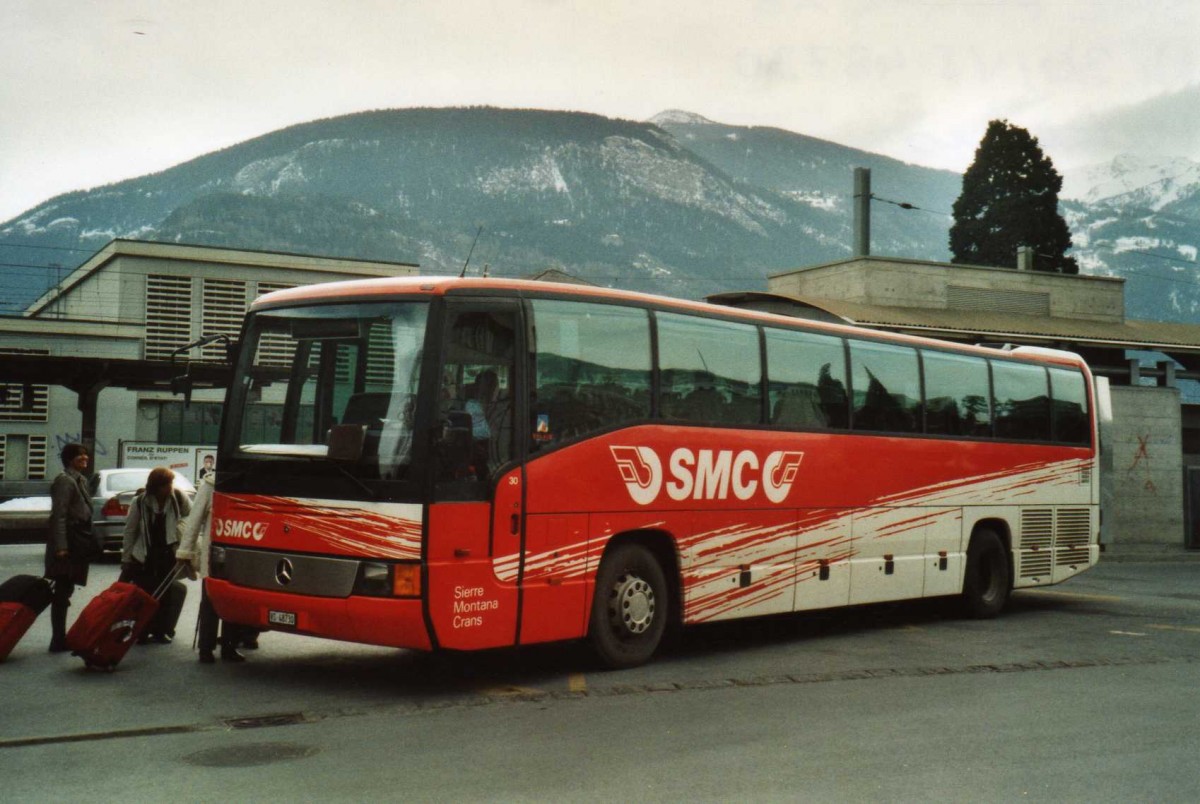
{"x": 1072, "y": 533}
{"x": 1053, "y": 538}
{"x": 1037, "y": 541}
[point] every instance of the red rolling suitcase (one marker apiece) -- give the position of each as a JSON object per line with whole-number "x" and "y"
{"x": 22, "y": 599}
{"x": 112, "y": 621}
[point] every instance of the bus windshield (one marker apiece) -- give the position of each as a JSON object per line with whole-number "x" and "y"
{"x": 334, "y": 383}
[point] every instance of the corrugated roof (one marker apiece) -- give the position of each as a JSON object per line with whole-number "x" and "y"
{"x": 1148, "y": 335}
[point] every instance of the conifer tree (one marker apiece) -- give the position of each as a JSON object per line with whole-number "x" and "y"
{"x": 1010, "y": 199}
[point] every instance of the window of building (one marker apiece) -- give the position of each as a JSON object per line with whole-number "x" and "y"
{"x": 710, "y": 371}
{"x": 24, "y": 402}
{"x": 592, "y": 369}
{"x": 887, "y": 387}
{"x": 223, "y": 308}
{"x": 196, "y": 423}
{"x": 1070, "y": 411}
{"x": 168, "y": 314}
{"x": 957, "y": 400}
{"x": 23, "y": 457}
{"x": 807, "y": 379}
{"x": 274, "y": 349}
{"x": 1022, "y": 401}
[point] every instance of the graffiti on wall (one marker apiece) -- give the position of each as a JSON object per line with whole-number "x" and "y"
{"x": 62, "y": 439}
{"x": 1141, "y": 460}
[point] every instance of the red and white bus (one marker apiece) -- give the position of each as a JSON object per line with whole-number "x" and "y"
{"x": 438, "y": 463}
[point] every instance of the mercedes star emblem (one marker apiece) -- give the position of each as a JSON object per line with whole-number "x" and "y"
{"x": 283, "y": 572}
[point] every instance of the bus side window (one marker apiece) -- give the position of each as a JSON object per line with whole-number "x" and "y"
{"x": 887, "y": 387}
{"x": 476, "y": 404}
{"x": 1022, "y": 401}
{"x": 710, "y": 371}
{"x": 1070, "y": 413}
{"x": 591, "y": 369}
{"x": 956, "y": 395}
{"x": 807, "y": 374}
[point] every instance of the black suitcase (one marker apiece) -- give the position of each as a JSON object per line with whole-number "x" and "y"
{"x": 28, "y": 590}
{"x": 22, "y": 599}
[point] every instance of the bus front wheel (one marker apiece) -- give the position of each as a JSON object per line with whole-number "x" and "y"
{"x": 988, "y": 580}
{"x": 629, "y": 609}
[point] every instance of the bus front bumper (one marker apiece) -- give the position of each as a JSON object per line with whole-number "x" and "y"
{"x": 390, "y": 622}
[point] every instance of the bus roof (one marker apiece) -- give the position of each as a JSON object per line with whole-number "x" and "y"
{"x": 409, "y": 286}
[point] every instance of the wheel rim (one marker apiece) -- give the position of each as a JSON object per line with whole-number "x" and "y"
{"x": 631, "y": 605}
{"x": 990, "y": 577}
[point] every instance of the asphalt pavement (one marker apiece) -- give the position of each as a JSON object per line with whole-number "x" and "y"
{"x": 1080, "y": 692}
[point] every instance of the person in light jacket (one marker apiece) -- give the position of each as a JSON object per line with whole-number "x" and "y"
{"x": 193, "y": 552}
{"x": 70, "y": 507}
{"x": 152, "y": 534}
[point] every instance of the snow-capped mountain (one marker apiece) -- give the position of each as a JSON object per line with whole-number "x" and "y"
{"x": 680, "y": 204}
{"x": 1129, "y": 179}
{"x": 1138, "y": 217}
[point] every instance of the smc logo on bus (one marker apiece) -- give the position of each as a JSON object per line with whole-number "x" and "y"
{"x": 706, "y": 474}
{"x": 239, "y": 529}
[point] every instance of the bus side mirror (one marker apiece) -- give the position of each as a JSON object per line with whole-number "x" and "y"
{"x": 182, "y": 385}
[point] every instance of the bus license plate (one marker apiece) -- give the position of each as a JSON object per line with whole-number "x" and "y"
{"x": 282, "y": 618}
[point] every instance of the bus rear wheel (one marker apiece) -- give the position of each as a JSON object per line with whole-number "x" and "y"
{"x": 630, "y": 607}
{"x": 988, "y": 580}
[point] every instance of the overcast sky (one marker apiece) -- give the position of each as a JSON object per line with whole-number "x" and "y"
{"x": 94, "y": 91}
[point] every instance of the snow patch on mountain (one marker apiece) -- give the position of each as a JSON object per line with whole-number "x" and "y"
{"x": 540, "y": 174}
{"x": 1148, "y": 181}
{"x": 685, "y": 182}
{"x": 679, "y": 117}
{"x": 815, "y": 199}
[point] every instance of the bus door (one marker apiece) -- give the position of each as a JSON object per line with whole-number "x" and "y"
{"x": 476, "y": 520}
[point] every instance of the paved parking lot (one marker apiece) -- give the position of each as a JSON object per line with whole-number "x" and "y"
{"x": 1107, "y": 663}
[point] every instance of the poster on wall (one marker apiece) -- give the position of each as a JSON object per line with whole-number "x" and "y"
{"x": 204, "y": 463}
{"x": 183, "y": 459}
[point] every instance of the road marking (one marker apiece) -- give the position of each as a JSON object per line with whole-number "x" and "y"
{"x": 1127, "y": 633}
{"x": 1176, "y": 628}
{"x": 1077, "y": 595}
{"x": 577, "y": 683}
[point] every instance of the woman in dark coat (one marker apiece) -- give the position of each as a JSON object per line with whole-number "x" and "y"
{"x": 70, "y": 508}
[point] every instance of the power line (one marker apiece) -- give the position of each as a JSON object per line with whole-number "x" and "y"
{"x": 907, "y": 205}
{"x": 48, "y": 248}
{"x": 1147, "y": 254}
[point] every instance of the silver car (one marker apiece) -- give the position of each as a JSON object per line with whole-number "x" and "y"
{"x": 113, "y": 491}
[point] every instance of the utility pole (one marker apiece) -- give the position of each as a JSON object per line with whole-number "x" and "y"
{"x": 862, "y": 212}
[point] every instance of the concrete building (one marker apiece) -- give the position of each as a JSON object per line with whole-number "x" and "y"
{"x": 110, "y": 329}
{"x": 1153, "y": 449}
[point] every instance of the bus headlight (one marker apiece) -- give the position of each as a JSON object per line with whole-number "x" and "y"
{"x": 377, "y": 579}
{"x": 374, "y": 579}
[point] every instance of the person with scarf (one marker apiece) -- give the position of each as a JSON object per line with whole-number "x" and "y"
{"x": 151, "y": 537}
{"x": 67, "y": 558}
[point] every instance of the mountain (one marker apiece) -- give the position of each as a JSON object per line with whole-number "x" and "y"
{"x": 1168, "y": 123}
{"x": 1156, "y": 183}
{"x": 615, "y": 201}
{"x": 664, "y": 205}
{"x": 819, "y": 173}
{"x": 1138, "y": 217}
{"x": 679, "y": 204}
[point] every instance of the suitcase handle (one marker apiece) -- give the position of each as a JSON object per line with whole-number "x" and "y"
{"x": 172, "y": 576}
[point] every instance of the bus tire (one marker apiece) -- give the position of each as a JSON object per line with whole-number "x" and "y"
{"x": 988, "y": 581}
{"x": 630, "y": 607}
